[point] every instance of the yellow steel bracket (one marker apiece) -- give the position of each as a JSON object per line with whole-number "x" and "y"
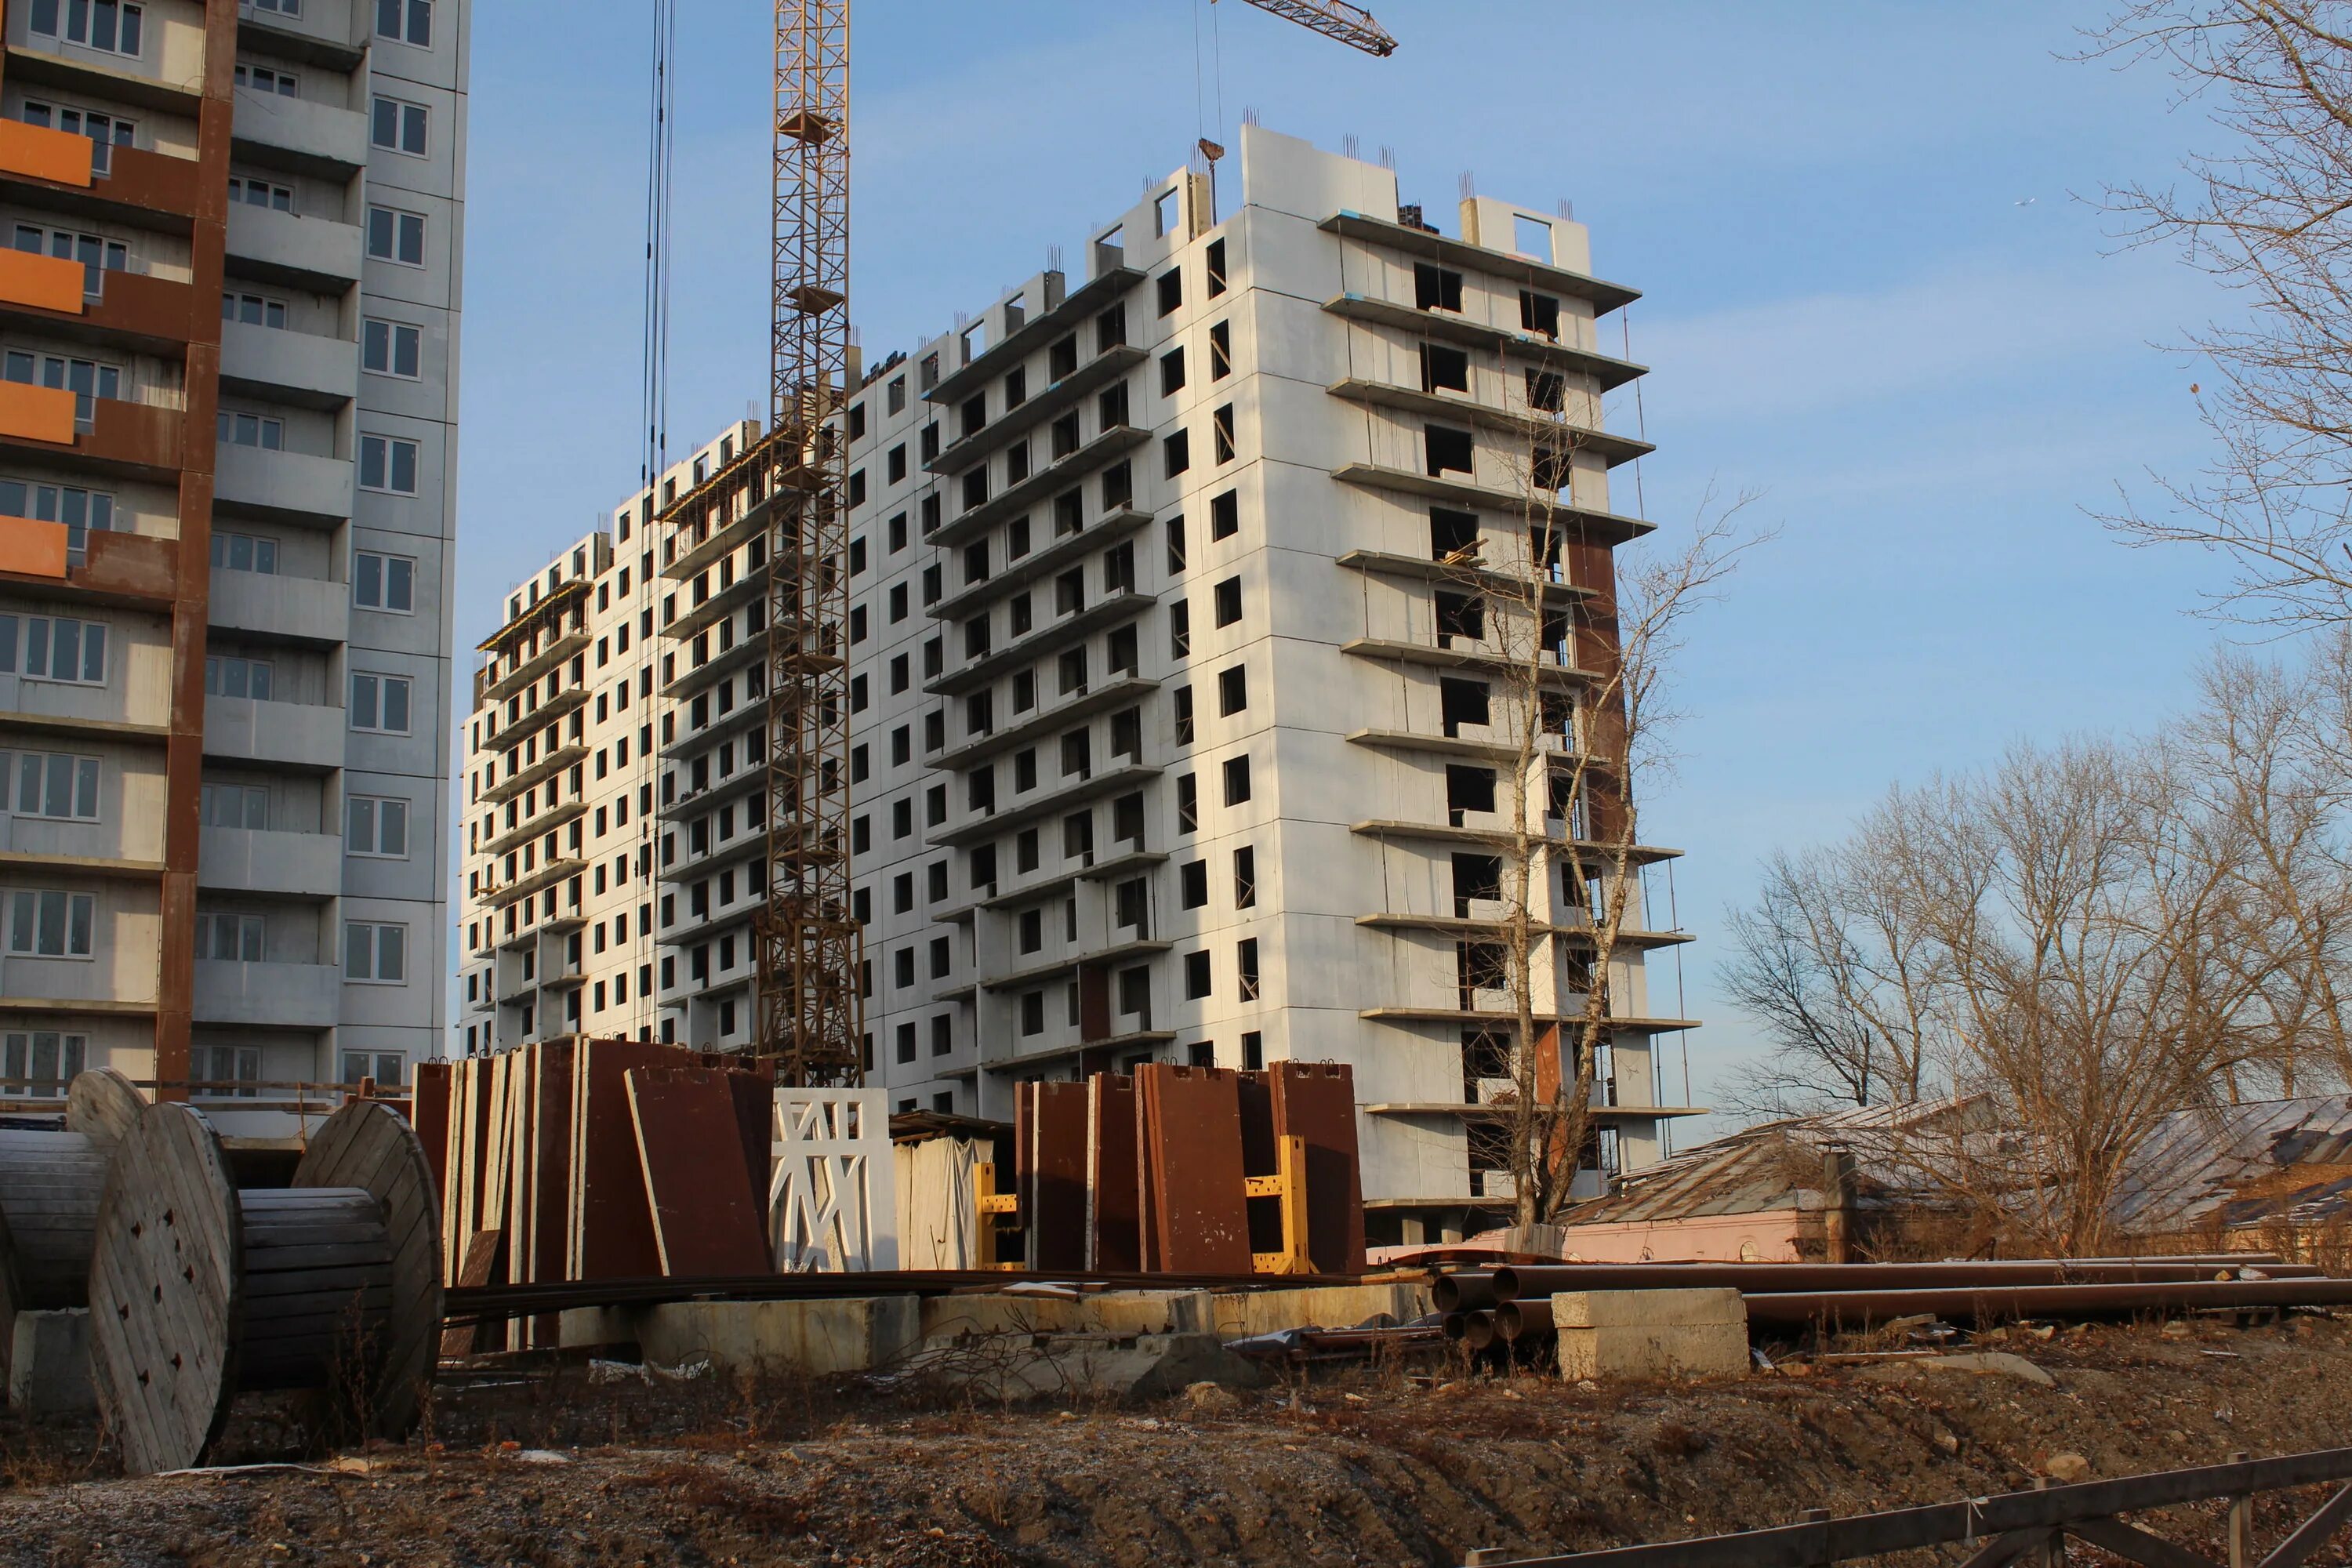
{"x": 993, "y": 1210}
{"x": 1288, "y": 1184}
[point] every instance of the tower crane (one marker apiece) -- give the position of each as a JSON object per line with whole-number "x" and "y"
{"x": 811, "y": 948}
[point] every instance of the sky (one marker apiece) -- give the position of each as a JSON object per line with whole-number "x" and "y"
{"x": 1879, "y": 296}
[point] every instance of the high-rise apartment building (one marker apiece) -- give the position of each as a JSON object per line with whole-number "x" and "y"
{"x": 224, "y": 539}
{"x": 1176, "y": 732}
{"x": 571, "y": 796}
{"x": 1177, "y": 738}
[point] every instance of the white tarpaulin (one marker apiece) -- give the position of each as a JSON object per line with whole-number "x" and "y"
{"x": 937, "y": 1192}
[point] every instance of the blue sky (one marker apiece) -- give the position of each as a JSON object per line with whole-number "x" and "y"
{"x": 1875, "y": 292}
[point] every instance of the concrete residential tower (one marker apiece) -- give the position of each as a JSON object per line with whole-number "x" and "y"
{"x": 224, "y": 629}
{"x": 578, "y": 694}
{"x": 1168, "y": 743}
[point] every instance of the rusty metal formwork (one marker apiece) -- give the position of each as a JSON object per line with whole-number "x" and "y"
{"x": 810, "y": 1014}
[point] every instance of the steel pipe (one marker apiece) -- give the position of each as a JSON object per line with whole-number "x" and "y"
{"x": 1464, "y": 1290}
{"x": 1524, "y": 1319}
{"x": 1964, "y": 1306}
{"x": 1513, "y": 1282}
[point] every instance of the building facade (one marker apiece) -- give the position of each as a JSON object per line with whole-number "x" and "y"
{"x": 225, "y": 635}
{"x": 1173, "y": 734}
{"x": 571, "y": 794}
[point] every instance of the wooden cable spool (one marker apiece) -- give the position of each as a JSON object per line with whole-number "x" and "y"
{"x": 50, "y": 1183}
{"x": 198, "y": 1291}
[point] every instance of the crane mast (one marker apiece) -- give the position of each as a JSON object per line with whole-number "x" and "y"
{"x": 811, "y": 1020}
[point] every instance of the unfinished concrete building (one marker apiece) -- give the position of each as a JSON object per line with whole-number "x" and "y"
{"x": 570, "y": 922}
{"x": 1164, "y": 746}
{"x": 224, "y": 539}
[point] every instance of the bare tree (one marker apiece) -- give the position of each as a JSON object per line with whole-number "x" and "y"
{"x": 1578, "y": 645}
{"x": 2267, "y": 218}
{"x": 2085, "y": 941}
{"x": 1843, "y": 982}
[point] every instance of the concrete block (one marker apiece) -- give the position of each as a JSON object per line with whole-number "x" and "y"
{"x": 1154, "y": 1312}
{"x": 951, "y": 1317}
{"x": 579, "y": 1328}
{"x": 1647, "y": 1309}
{"x": 48, "y": 1364}
{"x": 1239, "y": 1314}
{"x": 845, "y": 1334}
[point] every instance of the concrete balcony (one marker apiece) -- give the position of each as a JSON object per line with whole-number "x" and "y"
{"x": 252, "y": 861}
{"x": 301, "y": 368}
{"x": 302, "y": 252}
{"x": 282, "y": 486}
{"x": 271, "y": 995}
{"x": 298, "y": 133}
{"x": 330, "y": 33}
{"x": 287, "y": 735}
{"x": 288, "y": 609}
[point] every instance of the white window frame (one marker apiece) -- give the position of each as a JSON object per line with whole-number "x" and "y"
{"x": 377, "y": 333}
{"x": 279, "y": 199}
{"x": 384, "y": 452}
{"x": 407, "y": 122}
{"x": 408, "y": 19}
{"x": 239, "y": 926}
{"x": 264, "y": 311}
{"x": 244, "y": 1063}
{"x": 56, "y": 372}
{"x": 371, "y": 1064}
{"x": 20, "y": 633}
{"x": 259, "y": 550}
{"x": 123, "y": 19}
{"x": 269, "y": 433}
{"x": 19, "y": 1049}
{"x": 363, "y": 952}
{"x": 387, "y": 570}
{"x": 118, "y": 132}
{"x": 240, "y": 803}
{"x": 281, "y": 84}
{"x": 364, "y": 834}
{"x": 25, "y": 906}
{"x": 82, "y": 779}
{"x": 79, "y": 509}
{"x": 395, "y": 222}
{"x": 370, "y": 698}
{"x": 217, "y": 666}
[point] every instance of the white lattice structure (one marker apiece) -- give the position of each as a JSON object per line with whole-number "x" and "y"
{"x": 832, "y": 1206}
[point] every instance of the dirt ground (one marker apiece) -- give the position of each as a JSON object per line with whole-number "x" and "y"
{"x": 1387, "y": 1465}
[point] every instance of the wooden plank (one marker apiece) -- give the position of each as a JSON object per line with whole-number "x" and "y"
{"x": 2134, "y": 1544}
{"x": 2313, "y": 1533}
{"x": 615, "y": 1225}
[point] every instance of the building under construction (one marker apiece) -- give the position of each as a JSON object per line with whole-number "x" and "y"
{"x": 1171, "y": 731}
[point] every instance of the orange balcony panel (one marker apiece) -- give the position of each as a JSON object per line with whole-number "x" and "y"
{"x": 43, "y": 283}
{"x": 37, "y": 412}
{"x": 32, "y": 549}
{"x": 41, "y": 153}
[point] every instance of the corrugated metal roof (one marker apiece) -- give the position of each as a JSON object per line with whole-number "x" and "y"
{"x": 2241, "y": 1164}
{"x": 1778, "y": 1165}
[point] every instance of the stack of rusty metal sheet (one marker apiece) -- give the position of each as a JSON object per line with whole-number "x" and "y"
{"x": 1152, "y": 1172}
{"x": 587, "y": 1159}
